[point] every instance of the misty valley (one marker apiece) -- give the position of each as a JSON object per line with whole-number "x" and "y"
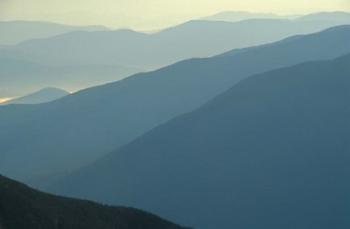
{"x": 236, "y": 120}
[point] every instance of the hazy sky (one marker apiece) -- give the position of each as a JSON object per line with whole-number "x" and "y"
{"x": 150, "y": 14}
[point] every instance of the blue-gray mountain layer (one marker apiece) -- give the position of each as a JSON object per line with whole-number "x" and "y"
{"x": 40, "y": 142}
{"x": 13, "y": 32}
{"x": 82, "y": 59}
{"x": 44, "y": 95}
{"x": 271, "y": 152}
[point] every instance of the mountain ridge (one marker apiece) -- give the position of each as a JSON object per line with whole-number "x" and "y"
{"x": 44, "y": 95}
{"x": 125, "y": 52}
{"x": 241, "y": 154}
{"x": 186, "y": 37}
{"x": 95, "y": 121}
{"x": 15, "y": 31}
{"x": 23, "y": 207}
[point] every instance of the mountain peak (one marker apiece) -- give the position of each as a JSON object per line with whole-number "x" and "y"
{"x": 334, "y": 15}
{"x": 44, "y": 95}
{"x": 234, "y": 16}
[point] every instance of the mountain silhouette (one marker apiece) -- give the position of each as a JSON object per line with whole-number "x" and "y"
{"x": 22, "y": 207}
{"x": 271, "y": 152}
{"x": 234, "y": 16}
{"x": 105, "y": 56}
{"x": 42, "y": 96}
{"x": 342, "y": 17}
{"x": 12, "y": 32}
{"x": 19, "y": 77}
{"x": 196, "y": 38}
{"x": 41, "y": 142}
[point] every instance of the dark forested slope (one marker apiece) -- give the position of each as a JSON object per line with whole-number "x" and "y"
{"x": 22, "y": 207}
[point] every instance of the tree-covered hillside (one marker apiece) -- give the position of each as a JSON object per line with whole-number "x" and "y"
{"x": 22, "y": 207}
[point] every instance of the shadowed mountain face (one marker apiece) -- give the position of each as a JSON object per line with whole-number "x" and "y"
{"x": 271, "y": 152}
{"x": 22, "y": 207}
{"x": 76, "y": 130}
{"x": 12, "y": 32}
{"x": 43, "y": 96}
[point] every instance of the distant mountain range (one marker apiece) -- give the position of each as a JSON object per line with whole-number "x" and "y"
{"x": 342, "y": 17}
{"x": 22, "y": 207}
{"x": 271, "y": 152}
{"x": 42, "y": 96}
{"x": 13, "y": 32}
{"x": 82, "y": 59}
{"x": 18, "y": 77}
{"x": 149, "y": 51}
{"x": 42, "y": 142}
{"x": 235, "y": 16}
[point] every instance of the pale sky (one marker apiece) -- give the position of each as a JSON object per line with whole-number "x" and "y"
{"x": 150, "y": 14}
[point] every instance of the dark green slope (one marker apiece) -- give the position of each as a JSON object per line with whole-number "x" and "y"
{"x": 42, "y": 141}
{"x": 24, "y": 208}
{"x": 272, "y": 152}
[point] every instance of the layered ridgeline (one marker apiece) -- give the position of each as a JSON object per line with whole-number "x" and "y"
{"x": 22, "y": 207}
{"x": 44, "y": 95}
{"x": 47, "y": 140}
{"x": 81, "y": 59}
{"x": 340, "y": 17}
{"x": 271, "y": 152}
{"x": 12, "y": 32}
{"x": 234, "y": 16}
{"x": 197, "y": 38}
{"x": 19, "y": 77}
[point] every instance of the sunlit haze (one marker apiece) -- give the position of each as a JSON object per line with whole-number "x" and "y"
{"x": 3, "y": 100}
{"x": 151, "y": 14}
